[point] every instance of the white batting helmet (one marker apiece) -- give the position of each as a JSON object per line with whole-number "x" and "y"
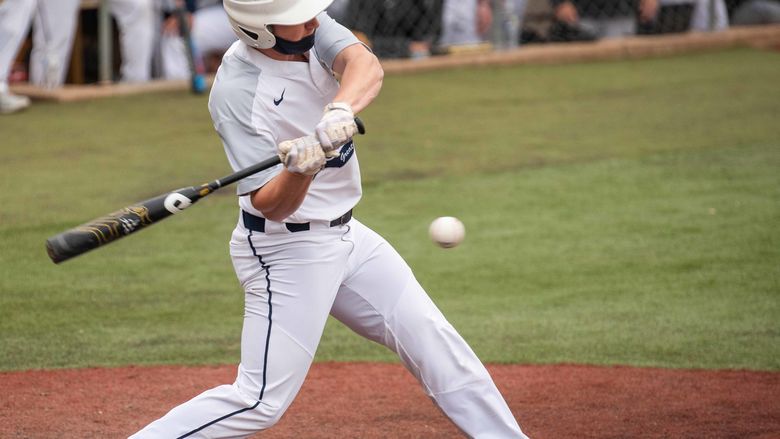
{"x": 250, "y": 18}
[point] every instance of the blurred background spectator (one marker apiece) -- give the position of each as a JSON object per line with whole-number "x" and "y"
{"x": 466, "y": 22}
{"x": 136, "y": 22}
{"x": 395, "y": 28}
{"x": 53, "y": 31}
{"x": 753, "y": 12}
{"x": 211, "y": 36}
{"x": 688, "y": 15}
{"x": 509, "y": 22}
{"x": 145, "y": 42}
{"x": 577, "y": 20}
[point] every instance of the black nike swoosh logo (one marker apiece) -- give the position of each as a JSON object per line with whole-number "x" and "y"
{"x": 279, "y": 101}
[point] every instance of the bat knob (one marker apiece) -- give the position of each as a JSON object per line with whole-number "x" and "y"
{"x": 360, "y": 126}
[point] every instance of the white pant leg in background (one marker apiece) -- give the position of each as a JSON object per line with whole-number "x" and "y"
{"x": 15, "y": 19}
{"x": 709, "y": 15}
{"x": 211, "y": 32}
{"x": 615, "y": 27}
{"x": 173, "y": 54}
{"x": 136, "y": 20}
{"x": 381, "y": 300}
{"x": 459, "y": 23}
{"x": 54, "y": 28}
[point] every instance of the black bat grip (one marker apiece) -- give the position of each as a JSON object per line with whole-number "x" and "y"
{"x": 360, "y": 126}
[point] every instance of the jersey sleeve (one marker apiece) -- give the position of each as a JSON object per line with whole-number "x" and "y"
{"x": 331, "y": 38}
{"x": 244, "y": 148}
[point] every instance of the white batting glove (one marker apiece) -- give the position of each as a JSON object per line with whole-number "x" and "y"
{"x": 303, "y": 155}
{"x": 336, "y": 127}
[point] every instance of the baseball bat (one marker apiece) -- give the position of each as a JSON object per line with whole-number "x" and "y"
{"x": 197, "y": 80}
{"x": 130, "y": 219}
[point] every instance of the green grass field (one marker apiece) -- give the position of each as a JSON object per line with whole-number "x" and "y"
{"x": 616, "y": 213}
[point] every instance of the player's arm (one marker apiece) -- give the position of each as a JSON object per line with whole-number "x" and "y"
{"x": 283, "y": 194}
{"x": 361, "y": 76}
{"x": 275, "y": 193}
{"x": 361, "y": 79}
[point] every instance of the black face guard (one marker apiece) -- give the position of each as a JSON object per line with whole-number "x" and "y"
{"x": 299, "y": 47}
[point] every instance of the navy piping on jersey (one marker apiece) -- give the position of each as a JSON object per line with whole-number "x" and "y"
{"x": 267, "y": 340}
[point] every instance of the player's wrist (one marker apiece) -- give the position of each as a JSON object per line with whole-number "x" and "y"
{"x": 303, "y": 155}
{"x": 339, "y": 106}
{"x": 336, "y": 127}
{"x": 299, "y": 175}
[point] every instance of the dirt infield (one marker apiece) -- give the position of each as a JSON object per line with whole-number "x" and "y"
{"x": 368, "y": 400}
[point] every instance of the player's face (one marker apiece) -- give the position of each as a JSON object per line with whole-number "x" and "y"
{"x": 296, "y": 32}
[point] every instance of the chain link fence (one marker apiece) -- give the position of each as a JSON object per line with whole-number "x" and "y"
{"x": 421, "y": 28}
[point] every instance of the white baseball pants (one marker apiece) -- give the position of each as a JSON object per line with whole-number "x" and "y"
{"x": 211, "y": 32}
{"x": 137, "y": 23}
{"x": 53, "y": 32}
{"x": 292, "y": 282}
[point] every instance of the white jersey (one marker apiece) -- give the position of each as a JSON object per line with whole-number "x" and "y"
{"x": 255, "y": 105}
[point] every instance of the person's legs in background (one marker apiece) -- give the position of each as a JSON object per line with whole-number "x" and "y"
{"x": 136, "y": 21}
{"x": 211, "y": 31}
{"x": 15, "y": 17}
{"x": 54, "y": 28}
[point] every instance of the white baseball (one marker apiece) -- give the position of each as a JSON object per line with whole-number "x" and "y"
{"x": 447, "y": 231}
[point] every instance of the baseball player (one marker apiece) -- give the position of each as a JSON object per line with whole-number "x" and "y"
{"x": 53, "y": 31}
{"x": 297, "y": 250}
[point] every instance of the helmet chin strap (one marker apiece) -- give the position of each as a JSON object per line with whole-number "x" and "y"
{"x": 287, "y": 47}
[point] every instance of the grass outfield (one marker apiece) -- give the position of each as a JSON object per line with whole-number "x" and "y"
{"x": 616, "y": 213}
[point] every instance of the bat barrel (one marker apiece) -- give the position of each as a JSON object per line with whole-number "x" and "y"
{"x": 69, "y": 244}
{"x": 121, "y": 223}
{"x": 101, "y": 231}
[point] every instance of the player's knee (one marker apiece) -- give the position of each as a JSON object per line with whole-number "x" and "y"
{"x": 275, "y": 415}
{"x": 265, "y": 413}
{"x": 263, "y": 417}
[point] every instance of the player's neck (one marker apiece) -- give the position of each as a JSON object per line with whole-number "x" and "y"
{"x": 271, "y": 53}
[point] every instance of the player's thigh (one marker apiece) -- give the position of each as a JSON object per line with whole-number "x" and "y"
{"x": 291, "y": 283}
{"x": 377, "y": 280}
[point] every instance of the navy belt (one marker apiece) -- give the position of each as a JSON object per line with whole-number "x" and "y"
{"x": 257, "y": 223}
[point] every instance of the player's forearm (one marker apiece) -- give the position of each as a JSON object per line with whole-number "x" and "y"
{"x": 281, "y": 196}
{"x": 361, "y": 77}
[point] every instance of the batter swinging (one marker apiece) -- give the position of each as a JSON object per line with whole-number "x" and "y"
{"x": 296, "y": 249}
